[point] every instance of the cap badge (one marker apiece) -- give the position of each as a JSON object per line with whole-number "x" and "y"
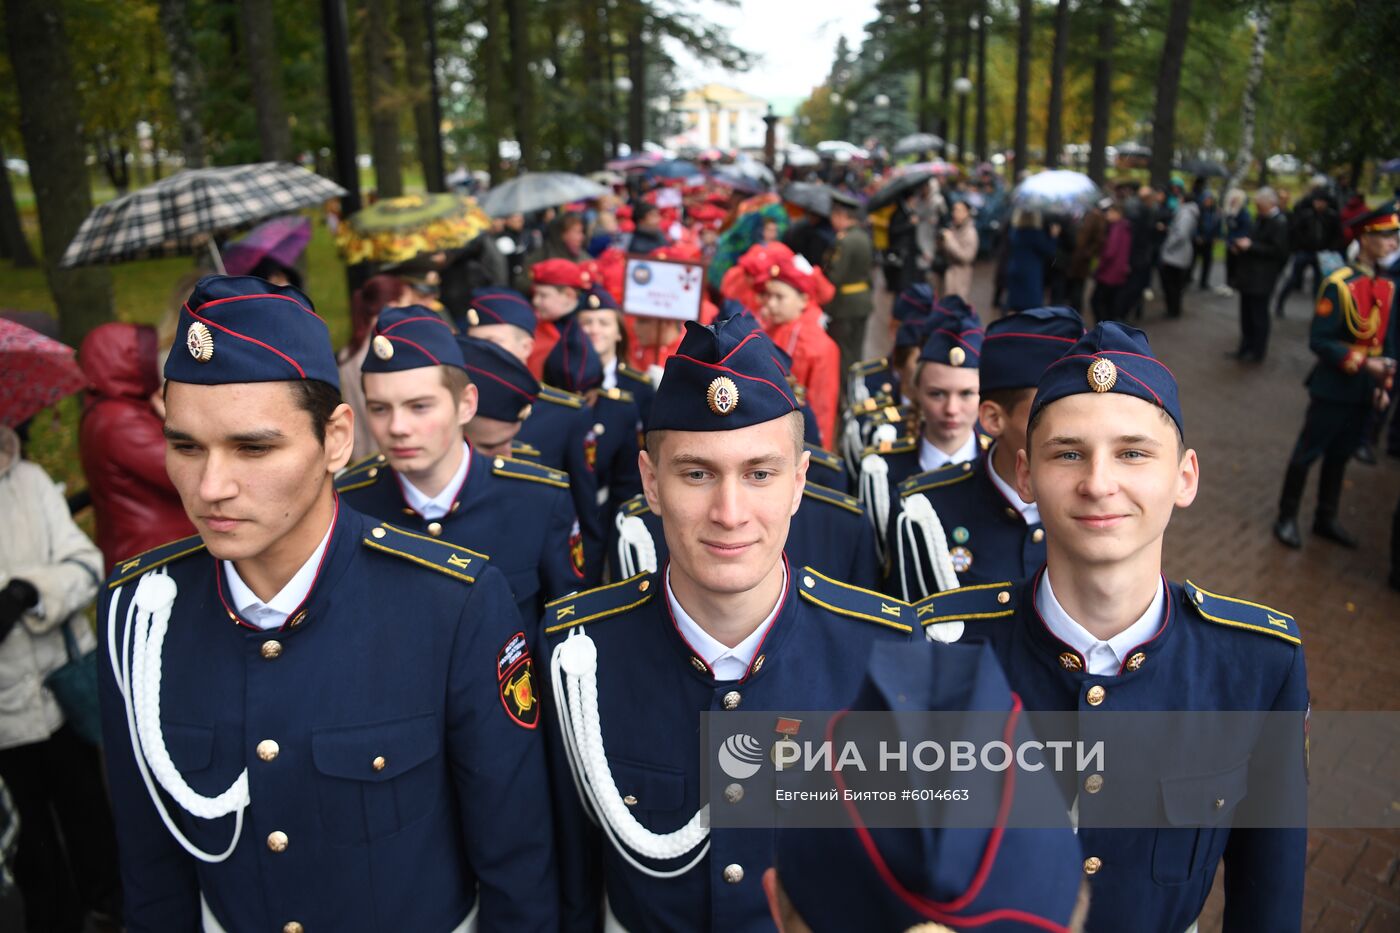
{"x": 1103, "y": 375}
{"x": 524, "y": 413}
{"x": 774, "y": 270}
{"x": 383, "y": 347}
{"x": 473, "y": 318}
{"x": 200, "y": 342}
{"x": 593, "y": 302}
{"x": 957, "y": 356}
{"x": 722, "y": 396}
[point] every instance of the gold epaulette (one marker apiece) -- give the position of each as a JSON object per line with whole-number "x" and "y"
{"x": 601, "y": 602}
{"x": 945, "y": 475}
{"x": 1240, "y": 613}
{"x": 983, "y": 601}
{"x": 636, "y": 375}
{"x": 560, "y": 397}
{"x": 637, "y": 505}
{"x": 900, "y": 445}
{"x": 363, "y": 463}
{"x": 866, "y": 367}
{"x": 824, "y": 457}
{"x": 833, "y": 497}
{"x": 157, "y": 556}
{"x": 522, "y": 449}
{"x": 457, "y": 562}
{"x": 853, "y": 602}
{"x": 617, "y": 395}
{"x": 362, "y": 473}
{"x": 533, "y": 472}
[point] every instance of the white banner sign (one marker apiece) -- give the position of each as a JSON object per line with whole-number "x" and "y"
{"x": 662, "y": 288}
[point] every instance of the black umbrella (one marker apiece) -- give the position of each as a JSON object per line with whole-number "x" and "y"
{"x": 915, "y": 143}
{"x": 812, "y": 198}
{"x": 896, "y": 190}
{"x": 1206, "y": 168}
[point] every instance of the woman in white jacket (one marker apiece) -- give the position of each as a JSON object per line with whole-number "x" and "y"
{"x": 49, "y": 573}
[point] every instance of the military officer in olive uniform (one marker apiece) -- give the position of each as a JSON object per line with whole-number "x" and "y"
{"x": 847, "y": 267}
{"x": 727, "y": 623}
{"x": 312, "y": 720}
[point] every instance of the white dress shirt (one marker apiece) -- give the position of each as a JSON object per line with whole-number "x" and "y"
{"x": 273, "y": 613}
{"x": 931, "y": 458}
{"x": 1029, "y": 510}
{"x": 1101, "y": 657}
{"x": 727, "y": 663}
{"x": 439, "y": 505}
{"x": 610, "y": 374}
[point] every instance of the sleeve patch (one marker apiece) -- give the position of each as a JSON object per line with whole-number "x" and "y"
{"x": 853, "y": 602}
{"x": 576, "y": 550}
{"x": 515, "y": 673}
{"x": 1240, "y": 613}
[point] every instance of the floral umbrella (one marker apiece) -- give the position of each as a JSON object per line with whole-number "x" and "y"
{"x": 397, "y": 229}
{"x": 35, "y": 372}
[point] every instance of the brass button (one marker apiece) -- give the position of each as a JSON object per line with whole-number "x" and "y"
{"x": 378, "y": 763}
{"x": 630, "y": 800}
{"x": 435, "y": 529}
{"x": 277, "y": 841}
{"x": 1003, "y": 597}
{"x": 292, "y": 926}
{"x": 268, "y": 749}
{"x": 1200, "y": 597}
{"x": 373, "y": 472}
{"x": 808, "y": 582}
{"x": 1070, "y": 661}
{"x": 731, "y": 699}
{"x": 1092, "y": 864}
{"x": 643, "y": 586}
{"x": 1095, "y": 695}
{"x": 734, "y": 873}
{"x": 1093, "y": 783}
{"x": 377, "y": 533}
{"x": 1135, "y": 661}
{"x": 498, "y": 463}
{"x": 408, "y": 511}
{"x": 271, "y": 649}
{"x": 1038, "y": 535}
{"x": 734, "y": 793}
{"x": 1011, "y": 513}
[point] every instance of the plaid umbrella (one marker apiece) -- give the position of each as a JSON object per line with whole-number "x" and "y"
{"x": 183, "y": 213}
{"x": 35, "y": 372}
{"x": 397, "y": 229}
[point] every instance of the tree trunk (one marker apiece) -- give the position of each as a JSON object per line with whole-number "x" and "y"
{"x": 420, "y": 67}
{"x": 965, "y": 31}
{"x": 53, "y": 142}
{"x": 1023, "y": 86}
{"x": 521, "y": 90}
{"x": 590, "y": 81}
{"x": 610, "y": 76}
{"x": 14, "y": 245}
{"x": 186, "y": 78}
{"x": 493, "y": 87}
{"x": 265, "y": 71}
{"x": 1249, "y": 113}
{"x": 1054, "y": 140}
{"x": 637, "y": 72}
{"x": 1168, "y": 89}
{"x": 981, "y": 119}
{"x": 382, "y": 75}
{"x": 1103, "y": 93}
{"x": 945, "y": 89}
{"x": 924, "y": 64}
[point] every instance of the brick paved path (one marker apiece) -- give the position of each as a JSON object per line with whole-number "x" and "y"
{"x": 1242, "y": 421}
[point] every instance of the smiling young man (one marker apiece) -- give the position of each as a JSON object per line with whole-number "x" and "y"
{"x": 312, "y": 720}
{"x": 1099, "y": 629}
{"x": 726, "y": 623}
{"x": 420, "y": 393}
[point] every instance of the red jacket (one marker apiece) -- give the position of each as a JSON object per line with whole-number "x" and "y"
{"x": 816, "y": 363}
{"x": 122, "y": 447}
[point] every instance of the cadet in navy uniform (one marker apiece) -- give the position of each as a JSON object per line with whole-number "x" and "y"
{"x": 726, "y": 623}
{"x": 312, "y": 720}
{"x": 886, "y": 378}
{"x": 613, "y": 438}
{"x": 882, "y": 879}
{"x": 601, "y": 319}
{"x": 969, "y": 515}
{"x": 1106, "y": 462}
{"x": 418, "y": 395}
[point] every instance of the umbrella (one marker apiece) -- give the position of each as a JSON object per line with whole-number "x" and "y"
{"x": 397, "y": 229}
{"x": 1389, "y": 167}
{"x": 747, "y": 176}
{"x": 673, "y": 168}
{"x": 282, "y": 239}
{"x": 1132, "y": 151}
{"x": 746, "y": 231}
{"x": 811, "y": 197}
{"x": 798, "y": 157}
{"x": 1056, "y": 191}
{"x": 534, "y": 191}
{"x": 631, "y": 163}
{"x": 915, "y": 143}
{"x": 896, "y": 189}
{"x": 1206, "y": 168}
{"x": 609, "y": 178}
{"x": 35, "y": 372}
{"x": 183, "y": 213}
{"x": 938, "y": 168}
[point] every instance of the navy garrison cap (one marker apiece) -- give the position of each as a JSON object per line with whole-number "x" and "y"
{"x": 573, "y": 364}
{"x": 878, "y": 878}
{"x": 1017, "y": 348}
{"x": 724, "y": 376}
{"x": 410, "y": 338}
{"x": 505, "y": 390}
{"x": 597, "y": 298}
{"x": 1112, "y": 357}
{"x": 915, "y": 308}
{"x": 500, "y": 306}
{"x": 238, "y": 328}
{"x": 954, "y": 339}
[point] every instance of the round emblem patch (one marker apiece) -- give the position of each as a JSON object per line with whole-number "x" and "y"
{"x": 960, "y": 535}
{"x": 641, "y": 274}
{"x": 961, "y": 557}
{"x": 722, "y": 396}
{"x": 200, "y": 342}
{"x": 1324, "y": 307}
{"x": 1103, "y": 375}
{"x": 957, "y": 356}
{"x": 383, "y": 347}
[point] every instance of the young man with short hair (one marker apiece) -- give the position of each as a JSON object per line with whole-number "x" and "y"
{"x": 312, "y": 720}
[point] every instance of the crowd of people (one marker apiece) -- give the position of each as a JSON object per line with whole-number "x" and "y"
{"x": 416, "y": 632}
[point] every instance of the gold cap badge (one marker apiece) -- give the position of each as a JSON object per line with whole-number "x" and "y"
{"x": 383, "y": 347}
{"x": 593, "y": 302}
{"x": 722, "y": 396}
{"x": 957, "y": 356}
{"x": 1103, "y": 375}
{"x": 200, "y": 342}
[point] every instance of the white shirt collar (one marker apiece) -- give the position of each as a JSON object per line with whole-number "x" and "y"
{"x": 439, "y": 505}
{"x": 931, "y": 458}
{"x": 727, "y": 663}
{"x": 610, "y": 374}
{"x": 1030, "y": 512}
{"x": 273, "y": 613}
{"x": 1102, "y": 658}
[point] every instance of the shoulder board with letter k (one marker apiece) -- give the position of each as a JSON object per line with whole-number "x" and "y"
{"x": 853, "y": 602}
{"x": 1240, "y": 613}
{"x": 445, "y": 558}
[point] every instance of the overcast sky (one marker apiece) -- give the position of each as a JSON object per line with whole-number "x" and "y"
{"x": 797, "y": 41}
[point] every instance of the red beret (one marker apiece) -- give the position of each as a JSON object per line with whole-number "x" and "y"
{"x": 561, "y": 272}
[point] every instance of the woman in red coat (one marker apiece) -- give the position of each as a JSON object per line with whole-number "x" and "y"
{"x": 122, "y": 447}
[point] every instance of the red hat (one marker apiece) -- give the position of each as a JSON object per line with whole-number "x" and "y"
{"x": 766, "y": 262}
{"x": 562, "y": 273}
{"x": 677, "y": 252}
{"x": 707, "y": 213}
